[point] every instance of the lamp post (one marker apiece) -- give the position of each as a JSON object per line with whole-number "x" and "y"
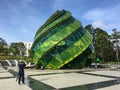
{"x": 116, "y": 41}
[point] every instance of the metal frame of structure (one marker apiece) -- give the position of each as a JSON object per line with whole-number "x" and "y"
{"x": 62, "y": 42}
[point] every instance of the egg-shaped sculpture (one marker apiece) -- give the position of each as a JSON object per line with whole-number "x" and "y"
{"x": 62, "y": 42}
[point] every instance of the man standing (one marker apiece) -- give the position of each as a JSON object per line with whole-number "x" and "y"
{"x": 21, "y": 72}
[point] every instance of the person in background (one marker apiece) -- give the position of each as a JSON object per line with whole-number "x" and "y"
{"x": 21, "y": 66}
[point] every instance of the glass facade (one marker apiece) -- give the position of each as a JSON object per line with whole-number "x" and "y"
{"x": 62, "y": 42}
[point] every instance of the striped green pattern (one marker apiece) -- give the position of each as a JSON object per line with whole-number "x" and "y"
{"x": 60, "y": 41}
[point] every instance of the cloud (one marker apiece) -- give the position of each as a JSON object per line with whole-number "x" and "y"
{"x": 93, "y": 14}
{"x": 18, "y": 21}
{"x": 106, "y": 19}
{"x": 29, "y": 0}
{"x": 58, "y": 5}
{"x": 67, "y": 5}
{"x": 103, "y": 14}
{"x": 102, "y": 25}
{"x": 9, "y": 37}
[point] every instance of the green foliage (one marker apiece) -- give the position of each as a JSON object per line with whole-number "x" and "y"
{"x": 10, "y": 57}
{"x": 103, "y": 46}
{"x": 2, "y": 42}
{"x": 21, "y": 48}
{"x": 3, "y": 47}
{"x": 30, "y": 53}
{"x": 17, "y": 48}
{"x": 28, "y": 59}
{"x": 13, "y": 49}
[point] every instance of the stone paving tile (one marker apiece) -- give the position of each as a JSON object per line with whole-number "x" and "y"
{"x": 69, "y": 79}
{"x": 11, "y": 84}
{"x": 8, "y": 81}
{"x": 106, "y": 72}
{"x": 114, "y": 87}
{"x": 4, "y": 73}
{"x": 64, "y": 79}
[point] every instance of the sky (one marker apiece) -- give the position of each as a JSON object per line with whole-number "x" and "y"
{"x": 20, "y": 19}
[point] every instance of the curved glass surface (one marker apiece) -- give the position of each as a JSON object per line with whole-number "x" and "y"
{"x": 62, "y": 42}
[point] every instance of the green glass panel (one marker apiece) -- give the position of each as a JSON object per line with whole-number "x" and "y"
{"x": 62, "y": 42}
{"x": 74, "y": 50}
{"x": 54, "y": 39}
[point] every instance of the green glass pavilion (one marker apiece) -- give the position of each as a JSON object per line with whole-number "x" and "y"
{"x": 62, "y": 42}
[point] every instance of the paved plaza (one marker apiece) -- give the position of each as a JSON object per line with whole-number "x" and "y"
{"x": 8, "y": 81}
{"x": 78, "y": 79}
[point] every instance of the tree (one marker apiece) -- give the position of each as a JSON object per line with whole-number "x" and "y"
{"x": 102, "y": 44}
{"x": 13, "y": 49}
{"x": 21, "y": 48}
{"x": 115, "y": 37}
{"x": 92, "y": 31}
{"x": 17, "y": 49}
{"x": 3, "y": 47}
